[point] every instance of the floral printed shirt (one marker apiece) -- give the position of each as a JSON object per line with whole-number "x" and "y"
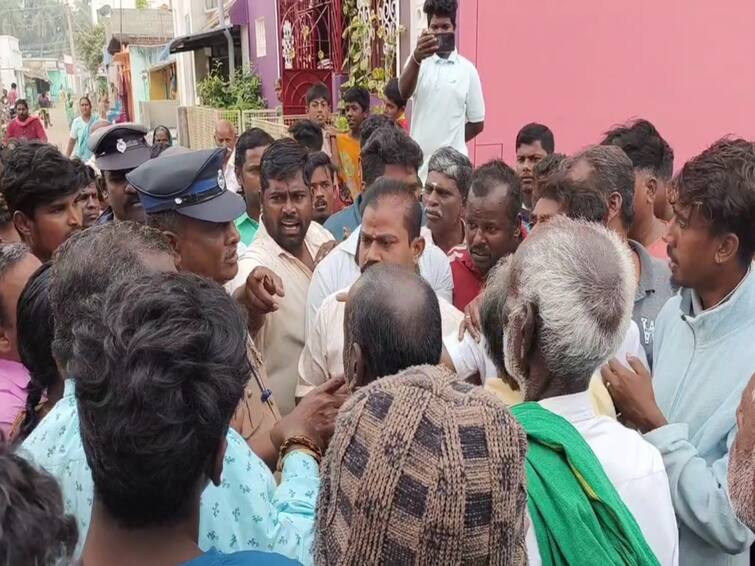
{"x": 248, "y": 511}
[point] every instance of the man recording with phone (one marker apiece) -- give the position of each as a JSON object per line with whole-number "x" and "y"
{"x": 448, "y": 109}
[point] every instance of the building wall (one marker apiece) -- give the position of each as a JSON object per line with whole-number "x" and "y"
{"x": 249, "y": 13}
{"x": 581, "y": 67}
{"x": 10, "y": 63}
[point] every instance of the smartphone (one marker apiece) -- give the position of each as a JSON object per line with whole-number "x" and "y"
{"x": 446, "y": 42}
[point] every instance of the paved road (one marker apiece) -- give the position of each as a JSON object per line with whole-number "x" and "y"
{"x": 58, "y": 133}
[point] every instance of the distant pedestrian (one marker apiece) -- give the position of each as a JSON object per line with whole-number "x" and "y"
{"x": 80, "y": 130}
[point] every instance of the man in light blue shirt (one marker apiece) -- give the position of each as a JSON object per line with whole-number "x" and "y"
{"x": 246, "y": 510}
{"x": 703, "y": 351}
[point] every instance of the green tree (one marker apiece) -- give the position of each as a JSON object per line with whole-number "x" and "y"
{"x": 89, "y": 45}
{"x": 142, "y": 4}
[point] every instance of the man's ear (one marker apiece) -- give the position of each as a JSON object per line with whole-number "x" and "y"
{"x": 23, "y": 225}
{"x": 215, "y": 470}
{"x": 651, "y": 188}
{"x": 357, "y": 370}
{"x": 727, "y": 249}
{"x": 175, "y": 244}
{"x": 615, "y": 201}
{"x": 524, "y": 327}
{"x": 418, "y": 248}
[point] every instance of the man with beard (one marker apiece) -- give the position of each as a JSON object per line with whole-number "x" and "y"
{"x": 494, "y": 229}
{"x": 703, "y": 350}
{"x": 39, "y": 186}
{"x": 390, "y": 234}
{"x": 534, "y": 142}
{"x": 118, "y": 149}
{"x": 275, "y": 272}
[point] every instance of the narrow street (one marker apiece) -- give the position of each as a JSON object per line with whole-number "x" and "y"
{"x": 57, "y": 134}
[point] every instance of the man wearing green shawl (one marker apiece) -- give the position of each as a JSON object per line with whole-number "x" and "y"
{"x": 598, "y": 492}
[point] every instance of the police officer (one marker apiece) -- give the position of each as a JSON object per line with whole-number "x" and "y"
{"x": 117, "y": 150}
{"x": 184, "y": 195}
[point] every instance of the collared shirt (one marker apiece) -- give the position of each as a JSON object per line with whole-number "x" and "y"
{"x": 231, "y": 182}
{"x": 653, "y": 290}
{"x": 635, "y": 468}
{"x": 247, "y": 228}
{"x": 346, "y": 220}
{"x": 322, "y": 357}
{"x": 281, "y": 338}
{"x": 13, "y": 381}
{"x": 470, "y": 357}
{"x": 449, "y": 88}
{"x": 339, "y": 270}
{"x": 468, "y": 281}
{"x": 246, "y": 512}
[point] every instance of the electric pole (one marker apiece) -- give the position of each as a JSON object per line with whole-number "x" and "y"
{"x": 71, "y": 45}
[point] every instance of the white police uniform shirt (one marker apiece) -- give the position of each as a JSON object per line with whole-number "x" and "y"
{"x": 447, "y": 96}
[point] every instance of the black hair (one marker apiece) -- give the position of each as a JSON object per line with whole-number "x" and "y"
{"x": 646, "y": 148}
{"x": 250, "y": 139}
{"x": 282, "y": 160}
{"x": 6, "y": 217}
{"x": 385, "y": 188}
{"x": 372, "y": 124}
{"x": 160, "y": 368}
{"x": 358, "y": 95}
{"x": 580, "y": 199}
{"x": 720, "y": 184}
{"x": 379, "y": 306}
{"x": 548, "y": 165}
{"x": 307, "y": 133}
{"x": 535, "y": 132}
{"x": 392, "y": 93}
{"x": 388, "y": 146}
{"x": 611, "y": 172}
{"x": 83, "y": 173}
{"x": 10, "y": 256}
{"x": 494, "y": 174}
{"x": 35, "y": 528}
{"x": 88, "y": 262}
{"x": 441, "y": 9}
{"x": 317, "y": 90}
{"x": 13, "y": 85}
{"x": 36, "y": 174}
{"x": 167, "y": 131}
{"x": 21, "y": 101}
{"x": 315, "y": 161}
{"x": 35, "y": 330}
{"x": 85, "y": 98}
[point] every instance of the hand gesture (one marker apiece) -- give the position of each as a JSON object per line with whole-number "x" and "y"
{"x": 262, "y": 289}
{"x": 471, "y": 322}
{"x": 315, "y": 416}
{"x": 427, "y": 46}
{"x": 631, "y": 389}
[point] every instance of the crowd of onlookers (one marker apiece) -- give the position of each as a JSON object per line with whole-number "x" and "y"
{"x": 356, "y": 347}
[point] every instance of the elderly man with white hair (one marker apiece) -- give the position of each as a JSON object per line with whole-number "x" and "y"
{"x": 552, "y": 314}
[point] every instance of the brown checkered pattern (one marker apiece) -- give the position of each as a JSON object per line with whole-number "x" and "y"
{"x": 423, "y": 469}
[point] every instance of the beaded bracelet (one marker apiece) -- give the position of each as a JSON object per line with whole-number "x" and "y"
{"x": 302, "y": 441}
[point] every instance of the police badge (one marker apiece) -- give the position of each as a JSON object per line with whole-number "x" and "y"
{"x": 121, "y": 145}
{"x": 221, "y": 179}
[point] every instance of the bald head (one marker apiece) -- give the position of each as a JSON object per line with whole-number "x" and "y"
{"x": 384, "y": 299}
{"x": 225, "y": 136}
{"x": 553, "y": 292}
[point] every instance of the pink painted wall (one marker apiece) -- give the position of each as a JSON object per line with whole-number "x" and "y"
{"x": 582, "y": 66}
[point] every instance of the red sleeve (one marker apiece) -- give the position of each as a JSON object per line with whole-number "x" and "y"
{"x": 10, "y": 132}
{"x": 41, "y": 134}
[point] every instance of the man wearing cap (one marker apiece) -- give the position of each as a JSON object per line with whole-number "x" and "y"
{"x": 117, "y": 150}
{"x": 276, "y": 270}
{"x": 184, "y": 195}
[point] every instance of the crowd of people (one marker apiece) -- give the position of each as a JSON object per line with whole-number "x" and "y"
{"x": 356, "y": 347}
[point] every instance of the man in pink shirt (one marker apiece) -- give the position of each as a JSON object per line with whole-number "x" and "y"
{"x": 16, "y": 266}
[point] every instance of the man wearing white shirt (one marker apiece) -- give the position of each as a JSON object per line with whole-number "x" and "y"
{"x": 390, "y": 234}
{"x": 555, "y": 329}
{"x": 448, "y": 109}
{"x": 225, "y": 136}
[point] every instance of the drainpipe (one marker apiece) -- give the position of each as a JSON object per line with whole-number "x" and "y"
{"x": 229, "y": 39}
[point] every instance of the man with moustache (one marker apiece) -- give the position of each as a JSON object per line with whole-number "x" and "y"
{"x": 703, "y": 351}
{"x": 247, "y": 158}
{"x": 185, "y": 197}
{"x": 494, "y": 229}
{"x": 534, "y": 142}
{"x": 117, "y": 150}
{"x": 275, "y": 272}
{"x": 390, "y": 234}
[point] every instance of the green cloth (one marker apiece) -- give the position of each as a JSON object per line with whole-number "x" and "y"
{"x": 247, "y": 228}
{"x": 578, "y": 516}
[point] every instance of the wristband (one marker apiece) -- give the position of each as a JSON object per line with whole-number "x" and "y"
{"x": 309, "y": 445}
{"x": 414, "y": 58}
